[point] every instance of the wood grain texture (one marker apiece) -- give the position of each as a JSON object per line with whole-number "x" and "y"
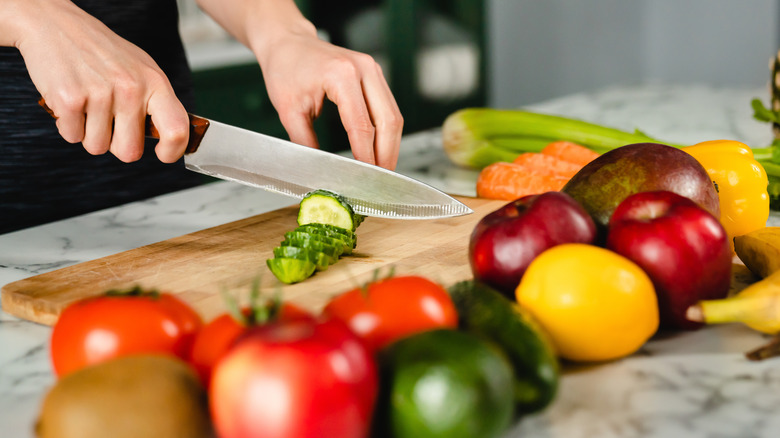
{"x": 201, "y": 266}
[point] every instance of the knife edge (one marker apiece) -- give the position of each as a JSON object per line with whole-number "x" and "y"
{"x": 360, "y": 206}
{"x": 290, "y": 169}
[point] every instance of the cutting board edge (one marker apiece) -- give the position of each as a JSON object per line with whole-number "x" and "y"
{"x": 28, "y": 309}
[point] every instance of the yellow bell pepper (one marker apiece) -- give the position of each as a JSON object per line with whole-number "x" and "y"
{"x": 741, "y": 182}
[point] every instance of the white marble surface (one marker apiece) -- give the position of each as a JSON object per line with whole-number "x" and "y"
{"x": 686, "y": 385}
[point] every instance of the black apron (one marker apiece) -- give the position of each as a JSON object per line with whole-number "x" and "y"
{"x": 42, "y": 177}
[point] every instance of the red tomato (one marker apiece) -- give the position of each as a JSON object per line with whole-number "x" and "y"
{"x": 295, "y": 379}
{"x": 216, "y": 338}
{"x": 95, "y": 329}
{"x": 393, "y": 308}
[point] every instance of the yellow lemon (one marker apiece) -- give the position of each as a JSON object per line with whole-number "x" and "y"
{"x": 596, "y": 304}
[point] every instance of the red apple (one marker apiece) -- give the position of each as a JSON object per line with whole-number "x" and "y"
{"x": 681, "y": 246}
{"x": 295, "y": 379}
{"x": 505, "y": 241}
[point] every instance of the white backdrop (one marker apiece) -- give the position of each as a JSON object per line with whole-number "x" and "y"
{"x": 546, "y": 48}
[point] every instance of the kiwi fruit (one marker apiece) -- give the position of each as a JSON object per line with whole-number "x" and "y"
{"x": 134, "y": 396}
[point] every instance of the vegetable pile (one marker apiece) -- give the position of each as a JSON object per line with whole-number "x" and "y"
{"x": 479, "y": 137}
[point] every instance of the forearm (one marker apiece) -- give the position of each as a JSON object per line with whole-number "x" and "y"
{"x": 258, "y": 23}
{"x": 15, "y": 17}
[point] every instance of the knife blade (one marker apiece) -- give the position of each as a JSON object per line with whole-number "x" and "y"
{"x": 258, "y": 160}
{"x": 247, "y": 157}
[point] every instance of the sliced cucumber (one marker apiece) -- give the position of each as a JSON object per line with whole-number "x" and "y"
{"x": 319, "y": 258}
{"x": 357, "y": 219}
{"x": 344, "y": 231}
{"x": 289, "y": 270}
{"x": 344, "y": 234}
{"x": 324, "y": 207}
{"x": 346, "y": 248}
{"x": 326, "y": 230}
{"x": 334, "y": 251}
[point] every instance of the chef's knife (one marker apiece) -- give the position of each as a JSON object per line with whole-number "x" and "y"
{"x": 277, "y": 165}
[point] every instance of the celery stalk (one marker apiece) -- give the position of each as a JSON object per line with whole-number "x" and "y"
{"x": 477, "y": 137}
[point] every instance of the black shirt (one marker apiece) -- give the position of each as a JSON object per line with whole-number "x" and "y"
{"x": 42, "y": 177}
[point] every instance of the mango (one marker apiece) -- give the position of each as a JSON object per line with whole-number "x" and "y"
{"x": 641, "y": 167}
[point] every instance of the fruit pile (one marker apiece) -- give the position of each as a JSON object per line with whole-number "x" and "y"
{"x": 640, "y": 239}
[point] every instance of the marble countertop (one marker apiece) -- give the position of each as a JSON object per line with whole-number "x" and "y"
{"x": 691, "y": 385}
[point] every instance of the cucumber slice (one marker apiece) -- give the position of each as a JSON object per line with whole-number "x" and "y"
{"x": 319, "y": 258}
{"x": 325, "y": 207}
{"x": 346, "y": 248}
{"x": 331, "y": 231}
{"x": 357, "y": 219}
{"x": 290, "y": 270}
{"x": 330, "y": 228}
{"x": 313, "y": 229}
{"x": 307, "y": 242}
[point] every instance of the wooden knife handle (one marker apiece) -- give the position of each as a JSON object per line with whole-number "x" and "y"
{"x": 198, "y": 126}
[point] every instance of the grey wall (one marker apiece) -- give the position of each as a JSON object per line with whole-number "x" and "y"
{"x": 540, "y": 49}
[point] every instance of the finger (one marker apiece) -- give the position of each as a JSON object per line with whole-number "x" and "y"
{"x": 71, "y": 127}
{"x": 300, "y": 128}
{"x": 173, "y": 125}
{"x": 98, "y": 126}
{"x": 348, "y": 97}
{"x": 127, "y": 141}
{"x": 386, "y": 117}
{"x": 69, "y": 112}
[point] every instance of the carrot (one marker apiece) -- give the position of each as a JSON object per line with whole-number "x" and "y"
{"x": 534, "y": 172}
{"x": 571, "y": 152}
{"x": 548, "y": 164}
{"x": 509, "y": 181}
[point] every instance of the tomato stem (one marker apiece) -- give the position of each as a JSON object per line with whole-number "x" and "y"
{"x": 134, "y": 291}
{"x": 233, "y": 308}
{"x": 260, "y": 311}
{"x": 376, "y": 278}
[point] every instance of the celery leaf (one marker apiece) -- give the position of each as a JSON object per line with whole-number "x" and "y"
{"x": 762, "y": 113}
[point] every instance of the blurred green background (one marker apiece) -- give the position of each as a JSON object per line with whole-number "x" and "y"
{"x": 432, "y": 53}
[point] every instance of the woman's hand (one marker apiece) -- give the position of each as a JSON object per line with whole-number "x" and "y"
{"x": 99, "y": 86}
{"x": 301, "y": 70}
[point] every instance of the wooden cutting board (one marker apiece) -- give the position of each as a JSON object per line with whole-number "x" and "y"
{"x": 201, "y": 266}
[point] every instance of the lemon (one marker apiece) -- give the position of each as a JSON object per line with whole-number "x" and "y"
{"x": 595, "y": 304}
